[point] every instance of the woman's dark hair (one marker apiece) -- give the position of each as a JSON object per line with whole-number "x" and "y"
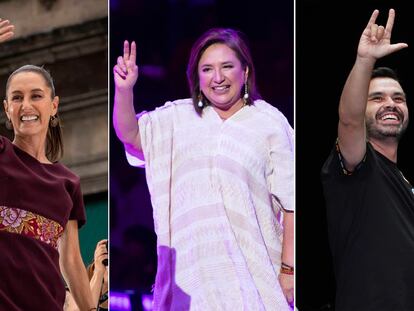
{"x": 54, "y": 140}
{"x": 233, "y": 39}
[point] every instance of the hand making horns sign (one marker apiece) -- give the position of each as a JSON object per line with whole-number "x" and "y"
{"x": 375, "y": 41}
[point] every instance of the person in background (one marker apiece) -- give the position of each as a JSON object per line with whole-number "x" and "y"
{"x": 98, "y": 275}
{"x": 98, "y": 280}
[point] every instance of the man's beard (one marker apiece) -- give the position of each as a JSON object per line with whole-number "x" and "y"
{"x": 382, "y": 132}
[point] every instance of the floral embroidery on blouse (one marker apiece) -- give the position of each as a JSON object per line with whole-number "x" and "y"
{"x": 15, "y": 220}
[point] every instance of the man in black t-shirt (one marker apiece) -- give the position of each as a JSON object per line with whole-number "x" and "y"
{"x": 370, "y": 204}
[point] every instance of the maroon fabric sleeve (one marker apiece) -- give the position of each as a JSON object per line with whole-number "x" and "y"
{"x": 2, "y": 146}
{"x": 78, "y": 208}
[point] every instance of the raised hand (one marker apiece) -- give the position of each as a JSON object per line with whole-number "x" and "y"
{"x": 126, "y": 70}
{"x": 101, "y": 253}
{"x": 6, "y": 30}
{"x": 375, "y": 41}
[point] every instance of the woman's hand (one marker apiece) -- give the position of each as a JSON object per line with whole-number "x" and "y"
{"x": 286, "y": 282}
{"x": 6, "y": 30}
{"x": 126, "y": 70}
{"x": 124, "y": 116}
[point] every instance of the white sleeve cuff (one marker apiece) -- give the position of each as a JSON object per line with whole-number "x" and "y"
{"x": 134, "y": 160}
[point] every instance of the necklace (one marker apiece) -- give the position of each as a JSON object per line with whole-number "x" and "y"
{"x": 406, "y": 180}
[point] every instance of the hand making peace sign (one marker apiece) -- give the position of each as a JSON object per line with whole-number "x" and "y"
{"x": 126, "y": 70}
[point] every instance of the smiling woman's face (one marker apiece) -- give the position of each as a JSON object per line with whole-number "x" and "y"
{"x": 221, "y": 75}
{"x": 29, "y": 104}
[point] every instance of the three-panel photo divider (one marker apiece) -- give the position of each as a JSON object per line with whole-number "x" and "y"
{"x": 206, "y": 155}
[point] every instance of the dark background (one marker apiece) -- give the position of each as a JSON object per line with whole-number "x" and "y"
{"x": 327, "y": 35}
{"x": 164, "y": 32}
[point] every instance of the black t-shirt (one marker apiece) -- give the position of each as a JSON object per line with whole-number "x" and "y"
{"x": 371, "y": 233}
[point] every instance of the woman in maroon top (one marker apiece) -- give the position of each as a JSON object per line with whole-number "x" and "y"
{"x": 41, "y": 204}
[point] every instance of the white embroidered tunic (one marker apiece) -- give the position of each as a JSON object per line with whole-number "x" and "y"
{"x": 217, "y": 188}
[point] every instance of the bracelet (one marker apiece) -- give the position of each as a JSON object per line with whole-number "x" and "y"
{"x": 286, "y": 269}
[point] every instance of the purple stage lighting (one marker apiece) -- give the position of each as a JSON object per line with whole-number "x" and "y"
{"x": 120, "y": 302}
{"x": 147, "y": 302}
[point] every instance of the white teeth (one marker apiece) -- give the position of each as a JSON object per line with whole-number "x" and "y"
{"x": 220, "y": 87}
{"x": 29, "y": 118}
{"x": 389, "y": 117}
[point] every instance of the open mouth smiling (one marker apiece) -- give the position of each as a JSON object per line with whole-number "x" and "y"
{"x": 28, "y": 118}
{"x": 392, "y": 117}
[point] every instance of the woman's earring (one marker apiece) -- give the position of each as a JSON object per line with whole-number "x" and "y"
{"x": 246, "y": 93}
{"x": 200, "y": 103}
{"x": 9, "y": 125}
{"x": 54, "y": 121}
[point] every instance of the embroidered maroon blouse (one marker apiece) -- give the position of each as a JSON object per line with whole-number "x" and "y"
{"x": 36, "y": 202}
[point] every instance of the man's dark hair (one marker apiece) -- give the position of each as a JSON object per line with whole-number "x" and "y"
{"x": 385, "y": 72}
